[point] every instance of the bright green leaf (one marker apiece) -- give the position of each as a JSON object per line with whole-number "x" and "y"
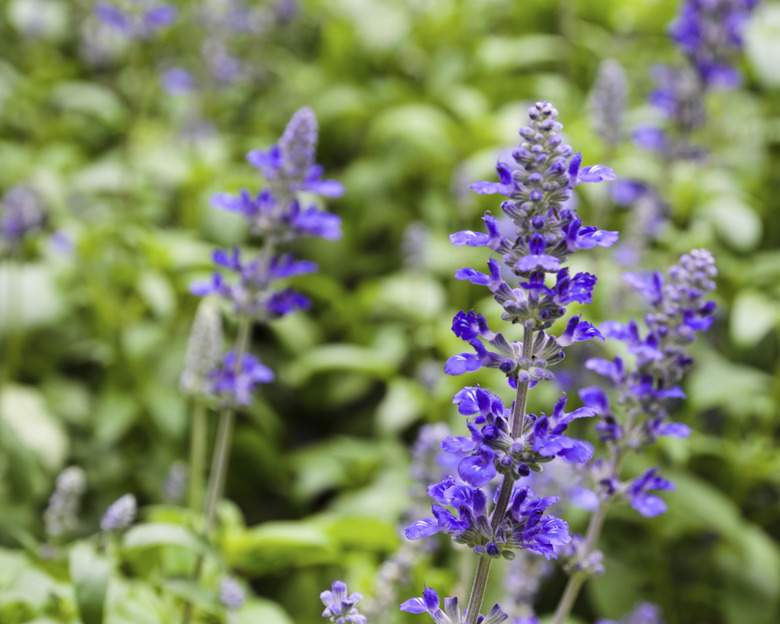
{"x": 90, "y": 574}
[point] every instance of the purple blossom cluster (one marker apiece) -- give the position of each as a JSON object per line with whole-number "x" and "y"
{"x": 137, "y": 19}
{"x": 276, "y": 216}
{"x": 679, "y": 309}
{"x": 231, "y": 594}
{"x": 607, "y": 102}
{"x": 234, "y": 381}
{"x": 709, "y": 33}
{"x": 643, "y": 613}
{"x": 120, "y": 514}
{"x": 20, "y": 215}
{"x": 451, "y": 614}
{"x": 543, "y": 230}
{"x": 340, "y": 607}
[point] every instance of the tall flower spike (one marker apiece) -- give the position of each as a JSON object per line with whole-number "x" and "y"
{"x": 542, "y": 233}
{"x": 20, "y": 214}
{"x": 289, "y": 165}
{"x": 61, "y": 516}
{"x": 120, "y": 515}
{"x": 710, "y": 34}
{"x": 231, "y": 594}
{"x": 278, "y": 215}
{"x": 607, "y": 102}
{"x": 643, "y": 613}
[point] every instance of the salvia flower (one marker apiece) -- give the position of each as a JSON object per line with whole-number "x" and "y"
{"x": 289, "y": 165}
{"x": 340, "y": 607}
{"x": 136, "y": 18}
{"x": 483, "y": 506}
{"x": 177, "y": 81}
{"x": 20, "y": 214}
{"x": 460, "y": 510}
{"x": 607, "y": 103}
{"x": 679, "y": 309}
{"x": 231, "y": 594}
{"x": 546, "y": 231}
{"x": 491, "y": 449}
{"x": 649, "y": 379}
{"x": 451, "y": 614}
{"x": 278, "y": 216}
{"x": 710, "y": 34}
{"x": 252, "y": 293}
{"x": 61, "y": 515}
{"x": 578, "y": 559}
{"x": 643, "y": 613}
{"x": 234, "y": 380}
{"x": 175, "y": 482}
{"x": 120, "y": 514}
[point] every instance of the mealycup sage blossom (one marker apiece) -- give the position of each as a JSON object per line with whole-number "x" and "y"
{"x": 253, "y": 284}
{"x": 529, "y": 279}
{"x": 644, "y": 383}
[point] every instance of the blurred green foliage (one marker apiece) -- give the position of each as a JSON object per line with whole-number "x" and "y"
{"x": 415, "y": 100}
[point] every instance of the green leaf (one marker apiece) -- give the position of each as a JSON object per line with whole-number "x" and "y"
{"x": 735, "y": 221}
{"x": 24, "y": 411}
{"x": 740, "y": 389}
{"x": 402, "y": 404}
{"x": 422, "y": 127}
{"x": 156, "y": 535}
{"x": 504, "y": 53}
{"x": 335, "y": 357}
{"x": 334, "y": 463}
{"x": 762, "y": 44}
{"x": 409, "y": 296}
{"x": 363, "y": 534}
{"x": 157, "y": 292}
{"x": 34, "y": 298}
{"x": 89, "y": 573}
{"x": 88, "y": 98}
{"x": 278, "y": 546}
{"x": 257, "y": 610}
{"x": 753, "y": 315}
{"x": 191, "y": 591}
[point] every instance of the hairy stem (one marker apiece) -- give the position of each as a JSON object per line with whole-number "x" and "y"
{"x": 478, "y": 589}
{"x": 504, "y": 495}
{"x": 595, "y": 525}
{"x": 219, "y": 462}
{"x": 198, "y": 449}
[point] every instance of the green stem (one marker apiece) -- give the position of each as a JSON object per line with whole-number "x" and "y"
{"x": 14, "y": 321}
{"x": 595, "y": 525}
{"x": 577, "y": 579}
{"x": 478, "y": 589}
{"x": 198, "y": 450}
{"x": 499, "y": 511}
{"x": 218, "y": 472}
{"x": 219, "y": 463}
